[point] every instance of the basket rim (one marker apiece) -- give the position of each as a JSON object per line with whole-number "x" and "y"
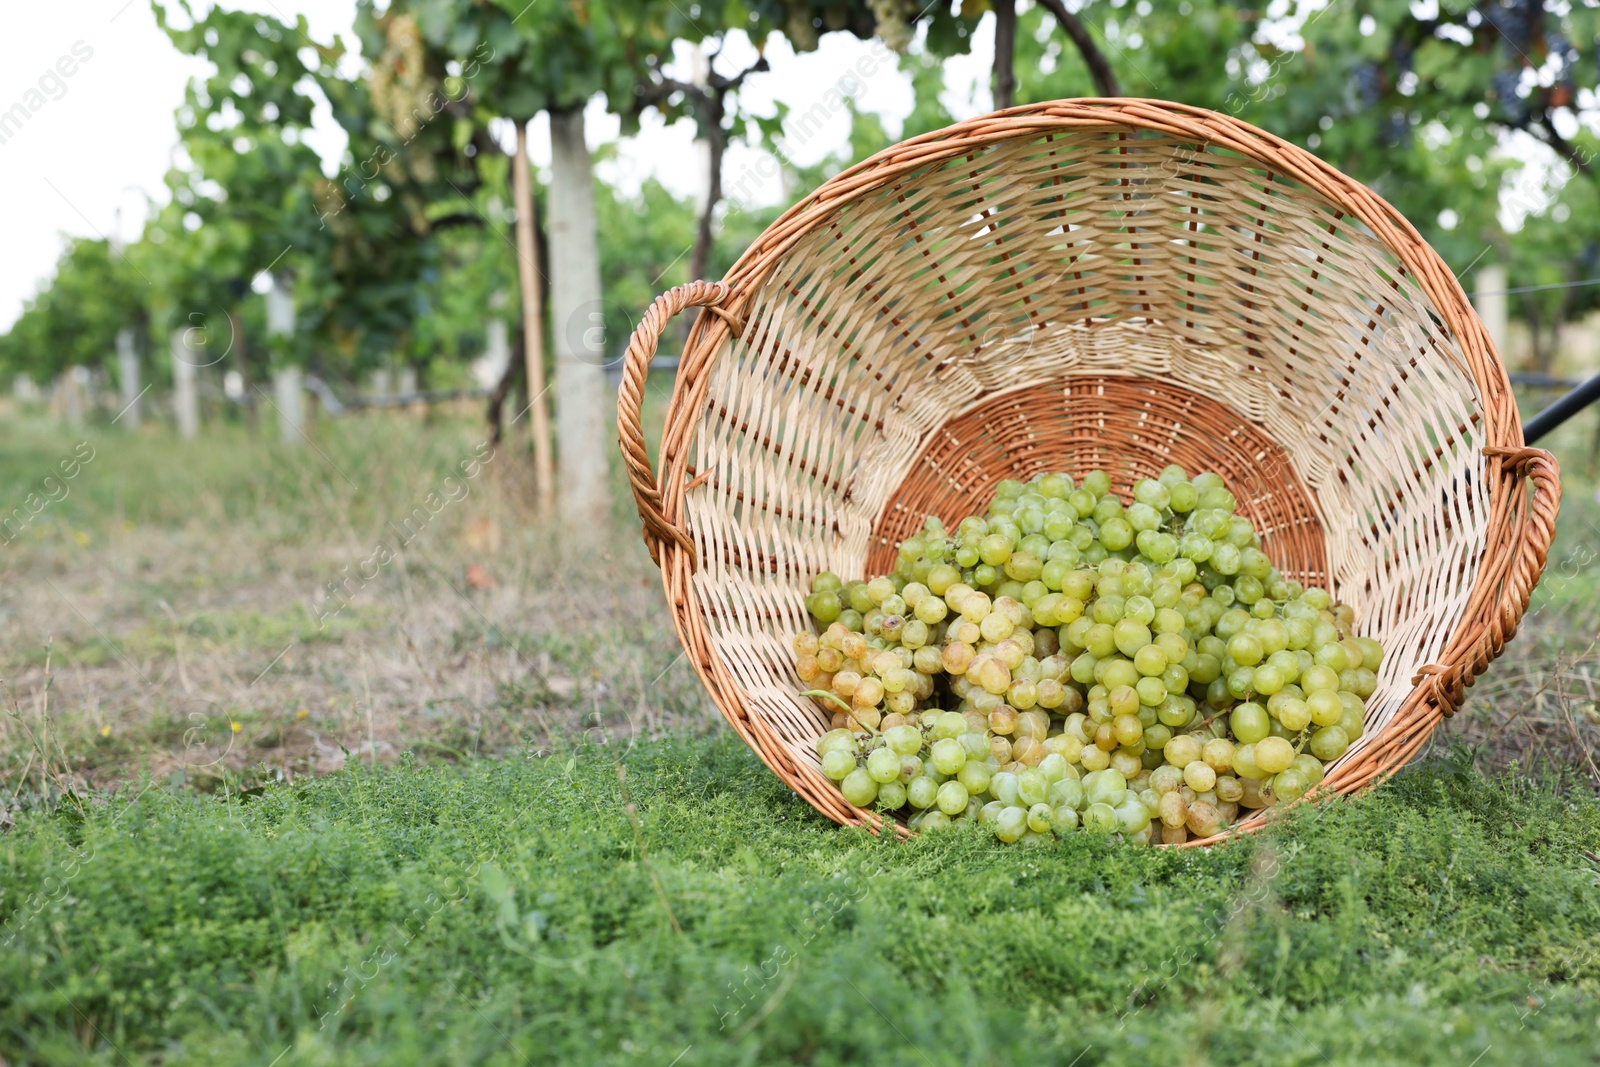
{"x": 1502, "y": 421}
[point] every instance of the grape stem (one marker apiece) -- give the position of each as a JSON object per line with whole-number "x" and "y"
{"x": 826, "y": 695}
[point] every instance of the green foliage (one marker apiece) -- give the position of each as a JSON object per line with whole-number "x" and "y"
{"x": 514, "y": 912}
{"x": 75, "y": 318}
{"x": 243, "y": 190}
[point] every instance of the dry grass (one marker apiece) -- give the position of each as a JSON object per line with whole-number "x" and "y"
{"x": 1536, "y": 708}
{"x": 172, "y": 616}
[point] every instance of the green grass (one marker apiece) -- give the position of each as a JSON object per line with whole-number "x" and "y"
{"x": 509, "y": 912}
{"x": 451, "y": 896}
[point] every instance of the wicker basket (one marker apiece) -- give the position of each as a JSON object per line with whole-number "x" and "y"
{"x": 1089, "y": 283}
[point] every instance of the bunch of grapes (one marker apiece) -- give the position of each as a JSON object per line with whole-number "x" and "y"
{"x": 1066, "y": 663}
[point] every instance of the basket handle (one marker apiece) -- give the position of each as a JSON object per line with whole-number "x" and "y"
{"x": 630, "y": 402}
{"x": 1519, "y": 563}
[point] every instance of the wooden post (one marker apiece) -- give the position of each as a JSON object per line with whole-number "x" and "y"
{"x": 532, "y": 325}
{"x": 185, "y": 399}
{"x": 70, "y": 386}
{"x": 128, "y": 378}
{"x": 289, "y": 396}
{"x": 1490, "y": 303}
{"x": 288, "y": 387}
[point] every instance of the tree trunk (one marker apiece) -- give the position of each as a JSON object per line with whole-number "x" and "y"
{"x": 583, "y": 400}
{"x": 514, "y": 372}
{"x": 241, "y": 364}
{"x": 128, "y": 378}
{"x": 716, "y": 145}
{"x": 532, "y": 323}
{"x": 1105, "y": 82}
{"x": 1005, "y": 52}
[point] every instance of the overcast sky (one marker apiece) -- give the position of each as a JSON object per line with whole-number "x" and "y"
{"x": 104, "y": 135}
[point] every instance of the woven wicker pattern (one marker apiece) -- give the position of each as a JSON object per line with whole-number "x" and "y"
{"x": 1117, "y": 284}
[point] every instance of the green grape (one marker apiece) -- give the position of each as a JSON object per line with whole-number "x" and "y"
{"x": 1109, "y": 608}
{"x": 1352, "y": 723}
{"x": 1150, "y": 660}
{"x": 1295, "y": 715}
{"x": 1139, "y": 608}
{"x": 933, "y": 821}
{"x": 892, "y": 796}
{"x": 1196, "y": 547}
{"x": 922, "y": 792}
{"x": 952, "y": 798}
{"x": 1319, "y": 677}
{"x": 1141, "y": 517}
{"x": 1308, "y": 765}
{"x": 837, "y": 764}
{"x": 1023, "y": 566}
{"x": 1163, "y": 548}
{"x": 1225, "y": 559}
{"x": 1011, "y": 824}
{"x": 1132, "y": 815}
{"x": 1268, "y": 679}
{"x": 1183, "y": 497}
{"x": 1172, "y": 474}
{"x": 1249, "y": 722}
{"x": 1325, "y": 707}
{"x": 911, "y": 768}
{"x": 1107, "y": 787}
{"x": 836, "y": 740}
{"x": 824, "y": 606}
{"x": 1101, "y": 819}
{"x": 1273, "y": 755}
{"x": 1245, "y": 649}
{"x": 1116, "y": 534}
{"x": 995, "y": 549}
{"x": 883, "y": 765}
{"x": 1290, "y": 784}
{"x": 1131, "y": 635}
{"x": 1244, "y": 763}
{"x": 1207, "y": 669}
{"x": 975, "y": 775}
{"x": 1151, "y": 691}
{"x": 1004, "y": 786}
{"x": 1040, "y": 818}
{"x": 947, "y": 756}
{"x": 1332, "y": 656}
{"x": 1097, "y": 482}
{"x": 859, "y": 787}
{"x": 1329, "y": 743}
{"x": 1069, "y": 792}
{"x": 1123, "y": 700}
{"x": 1100, "y": 640}
{"x": 1032, "y": 788}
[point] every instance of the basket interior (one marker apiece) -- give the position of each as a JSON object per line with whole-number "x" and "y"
{"x": 1093, "y": 297}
